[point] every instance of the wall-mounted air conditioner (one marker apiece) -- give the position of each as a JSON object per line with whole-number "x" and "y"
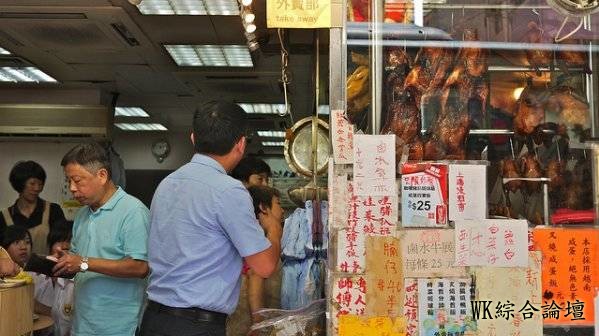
{"x": 47, "y": 120}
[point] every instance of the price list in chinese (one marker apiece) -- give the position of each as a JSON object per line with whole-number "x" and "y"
{"x": 570, "y": 259}
{"x": 424, "y": 195}
{"x": 444, "y": 305}
{"x": 385, "y": 274}
{"x": 490, "y": 242}
{"x": 374, "y": 165}
{"x": 429, "y": 253}
{"x": 342, "y": 138}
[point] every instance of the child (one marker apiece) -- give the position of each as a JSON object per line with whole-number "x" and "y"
{"x": 62, "y": 306}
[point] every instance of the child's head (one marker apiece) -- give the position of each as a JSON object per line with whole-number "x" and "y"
{"x": 17, "y": 242}
{"x": 59, "y": 238}
{"x": 266, "y": 201}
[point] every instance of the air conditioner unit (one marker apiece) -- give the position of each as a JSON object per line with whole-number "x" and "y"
{"x": 47, "y": 120}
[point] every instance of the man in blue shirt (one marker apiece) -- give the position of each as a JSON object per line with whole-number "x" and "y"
{"x": 108, "y": 249}
{"x": 202, "y": 226}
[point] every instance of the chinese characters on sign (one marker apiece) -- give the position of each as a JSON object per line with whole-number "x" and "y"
{"x": 444, "y": 306}
{"x": 429, "y": 253}
{"x": 410, "y": 307}
{"x": 374, "y": 165}
{"x": 385, "y": 276}
{"x": 570, "y": 259}
{"x": 491, "y": 242}
{"x": 349, "y": 296}
{"x": 374, "y": 326}
{"x": 512, "y": 299}
{"x": 298, "y": 13}
{"x": 467, "y": 192}
{"x": 423, "y": 195}
{"x": 343, "y": 138}
{"x": 366, "y": 216}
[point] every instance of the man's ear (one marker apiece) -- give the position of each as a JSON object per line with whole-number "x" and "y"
{"x": 193, "y": 139}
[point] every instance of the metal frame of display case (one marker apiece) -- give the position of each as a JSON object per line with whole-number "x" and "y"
{"x": 338, "y": 61}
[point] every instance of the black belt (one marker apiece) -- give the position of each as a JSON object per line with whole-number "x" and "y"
{"x": 197, "y": 314}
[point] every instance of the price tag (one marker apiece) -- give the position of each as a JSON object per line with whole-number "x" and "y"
{"x": 424, "y": 195}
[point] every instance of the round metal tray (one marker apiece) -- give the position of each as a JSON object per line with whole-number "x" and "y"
{"x": 298, "y": 147}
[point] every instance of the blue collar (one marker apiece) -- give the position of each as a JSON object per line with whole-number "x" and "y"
{"x": 208, "y": 161}
{"x": 113, "y": 200}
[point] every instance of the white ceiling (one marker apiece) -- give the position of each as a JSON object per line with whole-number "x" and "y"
{"x": 76, "y": 43}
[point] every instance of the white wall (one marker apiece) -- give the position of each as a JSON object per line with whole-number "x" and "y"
{"x": 136, "y": 150}
{"x": 47, "y": 154}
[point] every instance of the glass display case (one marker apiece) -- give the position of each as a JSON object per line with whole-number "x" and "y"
{"x": 513, "y": 83}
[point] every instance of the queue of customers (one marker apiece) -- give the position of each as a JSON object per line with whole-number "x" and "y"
{"x": 173, "y": 269}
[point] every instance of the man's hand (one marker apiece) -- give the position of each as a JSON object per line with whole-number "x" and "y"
{"x": 67, "y": 264}
{"x": 8, "y": 268}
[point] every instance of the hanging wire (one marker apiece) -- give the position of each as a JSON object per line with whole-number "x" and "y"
{"x": 285, "y": 74}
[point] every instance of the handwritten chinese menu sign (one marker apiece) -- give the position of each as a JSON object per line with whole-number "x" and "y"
{"x": 570, "y": 259}
{"x": 515, "y": 294}
{"x": 385, "y": 274}
{"x": 342, "y": 132}
{"x": 410, "y": 307}
{"x": 491, "y": 242}
{"x": 429, "y": 253}
{"x": 366, "y": 215}
{"x": 338, "y": 198}
{"x": 374, "y": 165}
{"x": 349, "y": 296}
{"x": 467, "y": 192}
{"x": 444, "y": 306}
{"x": 298, "y": 14}
{"x": 375, "y": 326}
{"x": 423, "y": 195}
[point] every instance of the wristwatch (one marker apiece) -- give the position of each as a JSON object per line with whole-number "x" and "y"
{"x": 84, "y": 265}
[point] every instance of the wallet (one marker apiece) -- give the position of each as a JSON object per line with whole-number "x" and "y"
{"x": 43, "y": 265}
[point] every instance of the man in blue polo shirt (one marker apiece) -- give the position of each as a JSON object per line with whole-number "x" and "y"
{"x": 108, "y": 249}
{"x": 202, "y": 226}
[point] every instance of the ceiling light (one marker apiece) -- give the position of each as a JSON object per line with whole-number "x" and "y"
{"x": 189, "y": 7}
{"x": 27, "y": 74}
{"x": 253, "y": 108}
{"x": 273, "y": 143}
{"x": 141, "y": 127}
{"x": 518, "y": 92}
{"x": 253, "y": 46}
{"x": 271, "y": 134}
{"x": 246, "y": 2}
{"x": 211, "y": 55}
{"x": 250, "y": 28}
{"x": 249, "y": 17}
{"x": 4, "y": 51}
{"x": 130, "y": 112}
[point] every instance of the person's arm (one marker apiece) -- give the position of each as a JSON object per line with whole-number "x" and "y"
{"x": 264, "y": 263}
{"x": 8, "y": 268}
{"x": 255, "y": 294}
{"x": 134, "y": 265}
{"x": 124, "y": 268}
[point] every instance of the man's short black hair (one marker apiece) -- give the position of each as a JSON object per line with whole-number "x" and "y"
{"x": 90, "y": 155}
{"x": 14, "y": 233}
{"x": 23, "y": 171}
{"x": 262, "y": 195}
{"x": 248, "y": 166}
{"x": 217, "y": 127}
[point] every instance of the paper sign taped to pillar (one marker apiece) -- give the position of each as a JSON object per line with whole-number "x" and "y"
{"x": 570, "y": 259}
{"x": 384, "y": 273}
{"x": 513, "y": 296}
{"x": 429, "y": 253}
{"x": 350, "y": 325}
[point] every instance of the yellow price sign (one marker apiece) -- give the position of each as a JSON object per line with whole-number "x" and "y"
{"x": 298, "y": 13}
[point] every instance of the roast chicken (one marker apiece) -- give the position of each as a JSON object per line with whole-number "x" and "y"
{"x": 509, "y": 169}
{"x": 567, "y": 59}
{"x": 537, "y": 58}
{"x": 570, "y": 108}
{"x": 531, "y": 112}
{"x": 474, "y": 59}
{"x": 531, "y": 168}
